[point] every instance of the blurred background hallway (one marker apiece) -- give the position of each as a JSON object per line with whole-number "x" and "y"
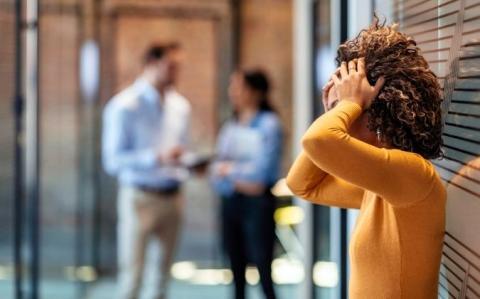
{"x": 62, "y": 60}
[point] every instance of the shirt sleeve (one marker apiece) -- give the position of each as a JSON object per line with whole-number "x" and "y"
{"x": 308, "y": 181}
{"x": 185, "y": 139}
{"x": 223, "y": 186}
{"x": 264, "y": 166}
{"x": 116, "y": 151}
{"x": 399, "y": 177}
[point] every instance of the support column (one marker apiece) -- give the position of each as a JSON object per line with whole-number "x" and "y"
{"x": 302, "y": 116}
{"x": 32, "y": 146}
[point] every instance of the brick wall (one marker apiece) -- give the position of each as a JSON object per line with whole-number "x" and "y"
{"x": 200, "y": 27}
{"x": 198, "y": 75}
{"x": 60, "y": 131}
{"x": 266, "y": 42}
{"x": 59, "y": 109}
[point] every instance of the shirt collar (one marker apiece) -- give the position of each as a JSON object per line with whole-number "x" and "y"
{"x": 253, "y": 122}
{"x": 148, "y": 91}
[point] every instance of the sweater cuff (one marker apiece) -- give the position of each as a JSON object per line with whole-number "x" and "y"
{"x": 351, "y": 108}
{"x": 350, "y": 103}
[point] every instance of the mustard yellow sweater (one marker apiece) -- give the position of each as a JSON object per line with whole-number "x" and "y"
{"x": 396, "y": 247}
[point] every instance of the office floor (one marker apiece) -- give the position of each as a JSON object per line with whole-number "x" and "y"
{"x": 105, "y": 289}
{"x": 181, "y": 290}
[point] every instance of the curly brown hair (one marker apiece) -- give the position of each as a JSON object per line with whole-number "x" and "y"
{"x": 407, "y": 110}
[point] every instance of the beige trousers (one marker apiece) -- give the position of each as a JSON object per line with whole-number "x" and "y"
{"x": 143, "y": 217}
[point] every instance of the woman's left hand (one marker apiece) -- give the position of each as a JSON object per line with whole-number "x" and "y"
{"x": 353, "y": 84}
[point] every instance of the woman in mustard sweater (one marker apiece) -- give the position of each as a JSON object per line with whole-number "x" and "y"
{"x": 370, "y": 151}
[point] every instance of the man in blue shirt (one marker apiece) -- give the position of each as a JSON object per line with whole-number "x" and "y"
{"x": 145, "y": 129}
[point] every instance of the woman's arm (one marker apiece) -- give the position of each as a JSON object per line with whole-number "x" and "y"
{"x": 308, "y": 181}
{"x": 400, "y": 177}
{"x": 219, "y": 179}
{"x": 312, "y": 183}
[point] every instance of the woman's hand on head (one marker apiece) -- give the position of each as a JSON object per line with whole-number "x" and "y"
{"x": 352, "y": 84}
{"x": 325, "y": 91}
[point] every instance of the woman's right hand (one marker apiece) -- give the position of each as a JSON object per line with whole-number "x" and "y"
{"x": 352, "y": 83}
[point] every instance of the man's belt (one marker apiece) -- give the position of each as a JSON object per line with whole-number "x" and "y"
{"x": 160, "y": 191}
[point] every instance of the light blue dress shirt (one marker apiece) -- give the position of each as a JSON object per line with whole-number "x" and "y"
{"x": 137, "y": 127}
{"x": 254, "y": 148}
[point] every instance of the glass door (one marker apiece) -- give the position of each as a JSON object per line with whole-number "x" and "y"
{"x": 330, "y": 224}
